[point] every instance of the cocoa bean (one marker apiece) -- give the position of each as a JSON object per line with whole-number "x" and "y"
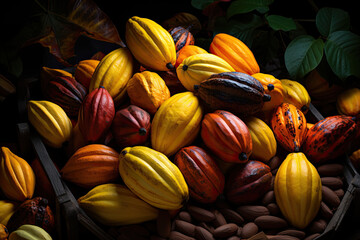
{"x": 185, "y": 216}
{"x": 233, "y": 238}
{"x": 329, "y": 197}
{"x": 274, "y": 162}
{"x": 201, "y": 214}
{"x": 249, "y": 230}
{"x": 219, "y": 219}
{"x": 207, "y": 226}
{"x": 270, "y": 222}
{"x": 293, "y": 232}
{"x": 203, "y": 234}
{"x": 174, "y": 235}
{"x": 330, "y": 170}
{"x": 232, "y": 216}
{"x": 156, "y": 237}
{"x": 163, "y": 223}
{"x": 325, "y": 211}
{"x": 134, "y": 228}
{"x": 273, "y": 172}
{"x": 281, "y": 237}
{"x": 312, "y": 236}
{"x": 273, "y": 209}
{"x": 340, "y": 193}
{"x": 317, "y": 226}
{"x": 250, "y": 212}
{"x": 333, "y": 183}
{"x": 268, "y": 198}
{"x": 238, "y": 232}
{"x": 226, "y": 230}
{"x": 185, "y": 227}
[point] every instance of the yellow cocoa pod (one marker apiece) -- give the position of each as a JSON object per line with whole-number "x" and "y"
{"x": 296, "y": 94}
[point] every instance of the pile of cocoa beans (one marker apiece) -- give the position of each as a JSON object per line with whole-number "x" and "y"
{"x": 223, "y": 220}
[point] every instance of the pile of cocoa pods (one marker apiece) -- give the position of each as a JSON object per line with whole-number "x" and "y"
{"x": 223, "y": 220}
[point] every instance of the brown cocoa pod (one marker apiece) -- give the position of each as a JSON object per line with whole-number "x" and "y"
{"x": 340, "y": 193}
{"x": 270, "y": 222}
{"x": 333, "y": 183}
{"x": 329, "y": 197}
{"x": 225, "y": 230}
{"x": 174, "y": 235}
{"x": 163, "y": 223}
{"x": 268, "y": 198}
{"x": 293, "y": 232}
{"x": 274, "y": 162}
{"x": 203, "y": 234}
{"x": 325, "y": 211}
{"x": 281, "y": 237}
{"x": 273, "y": 209}
{"x": 185, "y": 227}
{"x": 219, "y": 219}
{"x": 201, "y": 214}
{"x": 250, "y": 212}
{"x": 249, "y": 230}
{"x": 312, "y": 236}
{"x": 317, "y": 226}
{"x": 232, "y": 216}
{"x": 185, "y": 216}
{"x": 330, "y": 170}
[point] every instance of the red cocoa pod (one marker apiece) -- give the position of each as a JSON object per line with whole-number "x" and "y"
{"x": 219, "y": 219}
{"x": 185, "y": 228}
{"x": 225, "y": 230}
{"x": 273, "y": 209}
{"x": 185, "y": 216}
{"x": 317, "y": 226}
{"x": 270, "y": 222}
{"x": 340, "y": 193}
{"x": 201, "y": 214}
{"x": 325, "y": 211}
{"x": 250, "y": 212}
{"x": 249, "y": 230}
{"x": 274, "y": 162}
{"x": 163, "y": 224}
{"x": 332, "y": 182}
{"x": 232, "y": 216}
{"x": 293, "y": 232}
{"x": 330, "y": 170}
{"x": 268, "y": 198}
{"x": 329, "y": 197}
{"x": 203, "y": 234}
{"x": 174, "y": 235}
{"x": 312, "y": 236}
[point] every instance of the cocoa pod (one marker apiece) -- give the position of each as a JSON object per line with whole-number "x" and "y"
{"x": 185, "y": 216}
{"x": 185, "y": 227}
{"x": 330, "y": 170}
{"x": 249, "y": 230}
{"x": 317, "y": 226}
{"x": 250, "y": 212}
{"x": 203, "y": 234}
{"x": 312, "y": 236}
{"x": 226, "y": 230}
{"x": 332, "y": 182}
{"x": 325, "y": 211}
{"x": 281, "y": 237}
{"x": 219, "y": 219}
{"x": 329, "y": 197}
{"x": 232, "y": 216}
{"x": 268, "y": 198}
{"x": 201, "y": 214}
{"x": 163, "y": 224}
{"x": 273, "y": 209}
{"x": 293, "y": 232}
{"x": 340, "y": 193}
{"x": 274, "y": 162}
{"x": 174, "y": 235}
{"x": 270, "y": 222}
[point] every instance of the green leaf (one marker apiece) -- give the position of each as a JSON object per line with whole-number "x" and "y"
{"x": 245, "y": 6}
{"x": 329, "y": 20}
{"x": 277, "y": 22}
{"x": 302, "y": 55}
{"x": 342, "y": 50}
{"x": 201, "y": 4}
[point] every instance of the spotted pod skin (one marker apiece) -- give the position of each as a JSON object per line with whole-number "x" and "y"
{"x": 289, "y": 126}
{"x": 329, "y": 138}
{"x": 182, "y": 37}
{"x": 236, "y": 92}
{"x": 227, "y": 136}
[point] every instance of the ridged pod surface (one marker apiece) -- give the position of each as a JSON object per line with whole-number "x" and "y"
{"x": 153, "y": 177}
{"x": 17, "y": 179}
{"x": 296, "y": 94}
{"x": 289, "y": 126}
{"x": 50, "y": 121}
{"x": 29, "y": 232}
{"x": 84, "y": 71}
{"x": 196, "y": 68}
{"x": 329, "y": 138}
{"x": 188, "y": 51}
{"x": 113, "y": 73}
{"x": 92, "y": 165}
{"x": 7, "y": 208}
{"x": 235, "y": 52}
{"x": 235, "y": 92}
{"x": 204, "y": 178}
{"x": 114, "y": 204}
{"x": 147, "y": 90}
{"x": 182, "y": 37}
{"x": 298, "y": 190}
{"x": 348, "y": 102}
{"x": 150, "y": 44}
{"x": 227, "y": 136}
{"x": 176, "y": 123}
{"x": 263, "y": 140}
